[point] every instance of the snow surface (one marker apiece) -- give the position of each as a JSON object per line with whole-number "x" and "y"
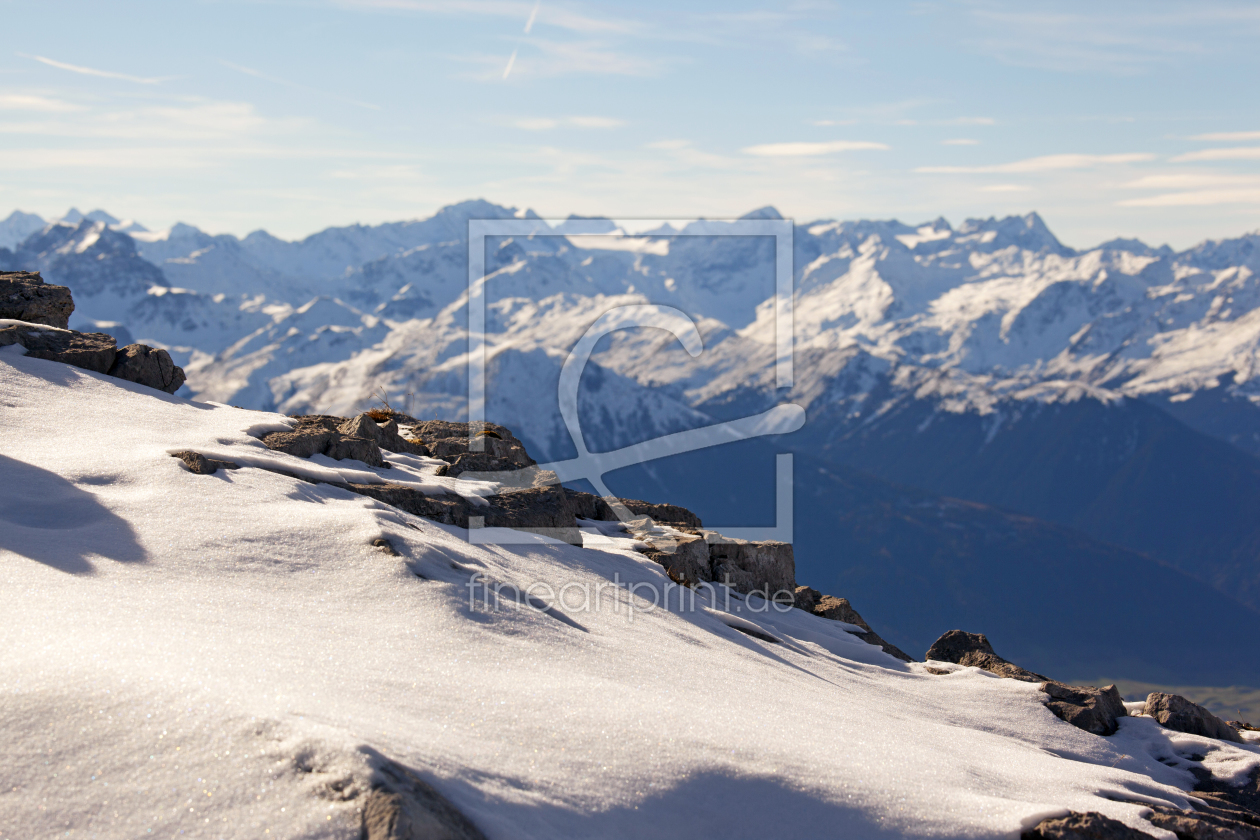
{"x": 220, "y": 656}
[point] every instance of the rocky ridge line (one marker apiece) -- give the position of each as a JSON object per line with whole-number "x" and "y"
{"x": 36, "y": 315}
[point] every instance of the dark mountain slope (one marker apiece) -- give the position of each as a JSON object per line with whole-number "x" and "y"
{"x": 916, "y": 565}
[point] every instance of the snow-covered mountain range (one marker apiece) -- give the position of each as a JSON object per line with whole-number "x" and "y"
{"x": 1115, "y": 390}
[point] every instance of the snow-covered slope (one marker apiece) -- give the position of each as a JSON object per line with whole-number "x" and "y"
{"x": 228, "y": 655}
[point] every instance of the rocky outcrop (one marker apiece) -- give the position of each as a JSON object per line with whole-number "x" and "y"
{"x": 384, "y": 432}
{"x": 91, "y": 351}
{"x": 974, "y": 650}
{"x": 674, "y": 516}
{"x": 1201, "y": 825}
{"x": 688, "y": 563}
{"x": 321, "y": 434}
{"x": 1087, "y": 826}
{"x": 1096, "y": 710}
{"x": 24, "y": 296}
{"x": 197, "y": 463}
{"x": 1173, "y": 711}
{"x": 747, "y": 567}
{"x": 500, "y": 451}
{"x": 147, "y": 365}
{"x": 402, "y": 806}
{"x": 839, "y": 609}
{"x": 540, "y": 510}
{"x": 44, "y": 311}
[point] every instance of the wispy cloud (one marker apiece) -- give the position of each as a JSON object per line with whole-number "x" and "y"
{"x": 1197, "y": 198}
{"x": 22, "y": 102}
{"x": 92, "y": 71}
{"x": 1045, "y": 163}
{"x": 533, "y": 13}
{"x": 1243, "y": 153}
{"x": 812, "y": 149}
{"x": 276, "y": 80}
{"x": 1228, "y": 136}
{"x": 511, "y": 62}
{"x": 548, "y": 123}
{"x": 960, "y": 141}
{"x": 1004, "y": 188}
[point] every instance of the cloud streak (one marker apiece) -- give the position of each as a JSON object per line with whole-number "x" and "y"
{"x": 812, "y": 149}
{"x": 1243, "y": 153}
{"x": 92, "y": 71}
{"x": 1044, "y": 163}
{"x": 1228, "y": 136}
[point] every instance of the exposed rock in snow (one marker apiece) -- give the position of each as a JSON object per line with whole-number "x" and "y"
{"x": 1176, "y": 712}
{"x": 839, "y": 609}
{"x": 146, "y": 365}
{"x": 24, "y": 296}
{"x": 90, "y": 351}
{"x": 1096, "y": 710}
{"x": 974, "y": 651}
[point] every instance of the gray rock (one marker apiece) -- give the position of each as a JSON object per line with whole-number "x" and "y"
{"x": 319, "y": 434}
{"x": 384, "y": 433}
{"x": 973, "y": 649}
{"x": 1176, "y": 712}
{"x": 590, "y": 506}
{"x": 540, "y": 510}
{"x": 386, "y": 546}
{"x": 341, "y": 447}
{"x": 402, "y": 806}
{"x": 839, "y": 609}
{"x": 1096, "y": 710}
{"x": 688, "y": 563}
{"x": 672, "y": 515}
{"x": 197, "y": 463}
{"x": 448, "y": 441}
{"x": 1087, "y": 826}
{"x": 308, "y": 437}
{"x": 745, "y": 566}
{"x": 90, "y": 351}
{"x": 1198, "y": 825}
{"x": 24, "y": 296}
{"x": 150, "y": 366}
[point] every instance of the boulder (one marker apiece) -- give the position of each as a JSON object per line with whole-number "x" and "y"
{"x": 1096, "y": 710}
{"x": 974, "y": 650}
{"x": 1176, "y": 712}
{"x": 90, "y": 351}
{"x": 24, "y": 296}
{"x": 384, "y": 433}
{"x": 448, "y": 441}
{"x": 590, "y": 506}
{"x": 150, "y": 366}
{"x": 839, "y": 609}
{"x": 402, "y": 806}
{"x": 765, "y": 567}
{"x": 197, "y": 463}
{"x": 1087, "y": 826}
{"x": 540, "y": 510}
{"x": 687, "y": 563}
{"x": 1199, "y": 825}
{"x": 319, "y": 434}
{"x": 665, "y": 514}
{"x": 341, "y": 447}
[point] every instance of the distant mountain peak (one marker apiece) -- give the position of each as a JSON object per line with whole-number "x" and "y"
{"x": 767, "y": 212}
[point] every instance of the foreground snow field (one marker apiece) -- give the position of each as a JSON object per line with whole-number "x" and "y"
{"x": 228, "y": 655}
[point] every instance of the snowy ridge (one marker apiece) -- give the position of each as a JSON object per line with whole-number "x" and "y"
{"x": 224, "y": 655}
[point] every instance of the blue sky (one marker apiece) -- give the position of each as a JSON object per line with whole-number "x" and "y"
{"x": 1109, "y": 118}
